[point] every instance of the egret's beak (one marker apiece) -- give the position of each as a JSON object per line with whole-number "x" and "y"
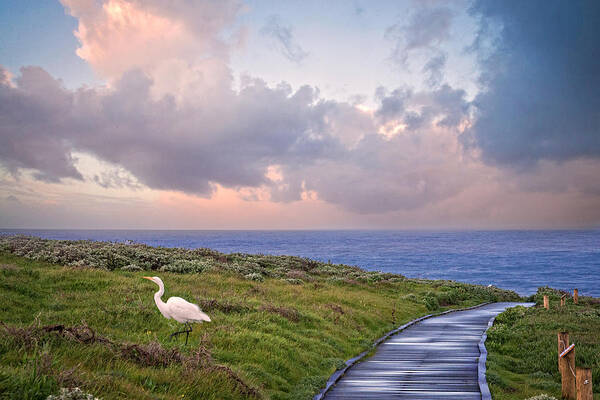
{"x": 147, "y": 277}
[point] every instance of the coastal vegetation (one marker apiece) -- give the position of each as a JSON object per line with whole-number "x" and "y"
{"x": 78, "y": 314}
{"x": 522, "y": 346}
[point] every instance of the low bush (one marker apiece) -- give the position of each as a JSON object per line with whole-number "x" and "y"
{"x": 542, "y": 397}
{"x": 255, "y": 276}
{"x": 72, "y": 394}
{"x": 431, "y": 301}
{"x": 186, "y": 267}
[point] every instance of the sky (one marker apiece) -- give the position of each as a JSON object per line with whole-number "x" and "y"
{"x": 231, "y": 114}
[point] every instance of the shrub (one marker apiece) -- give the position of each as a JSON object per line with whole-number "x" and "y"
{"x": 431, "y": 301}
{"x": 449, "y": 297}
{"x": 255, "y": 276}
{"x": 72, "y": 394}
{"x": 542, "y": 397}
{"x": 131, "y": 267}
{"x": 553, "y": 294}
{"x": 337, "y": 279}
{"x": 186, "y": 266}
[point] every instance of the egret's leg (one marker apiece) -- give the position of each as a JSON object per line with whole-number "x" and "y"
{"x": 173, "y": 335}
{"x": 178, "y": 332}
{"x": 188, "y": 331}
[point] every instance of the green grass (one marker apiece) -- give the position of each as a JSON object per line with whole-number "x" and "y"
{"x": 281, "y": 333}
{"x": 522, "y": 346}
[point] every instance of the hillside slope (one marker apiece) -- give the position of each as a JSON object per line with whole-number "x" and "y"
{"x": 280, "y": 325}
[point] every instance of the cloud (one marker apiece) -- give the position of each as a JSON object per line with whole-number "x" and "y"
{"x": 406, "y": 172}
{"x": 444, "y": 106}
{"x": 435, "y": 69}
{"x": 411, "y": 160}
{"x": 183, "y": 46}
{"x": 282, "y": 38}
{"x": 197, "y": 133}
{"x": 427, "y": 29}
{"x": 163, "y": 144}
{"x": 31, "y": 136}
{"x": 119, "y": 35}
{"x": 116, "y": 178}
{"x": 235, "y": 139}
{"x": 177, "y": 121}
{"x": 540, "y": 89}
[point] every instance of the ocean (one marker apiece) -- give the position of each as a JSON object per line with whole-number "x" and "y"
{"x": 517, "y": 260}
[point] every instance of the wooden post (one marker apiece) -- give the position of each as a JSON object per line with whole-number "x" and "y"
{"x": 584, "y": 384}
{"x": 546, "y": 302}
{"x": 569, "y": 390}
{"x": 576, "y": 296}
{"x": 562, "y": 300}
{"x": 563, "y": 343}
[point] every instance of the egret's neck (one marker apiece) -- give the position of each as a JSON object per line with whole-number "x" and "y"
{"x": 161, "y": 291}
{"x": 162, "y": 307}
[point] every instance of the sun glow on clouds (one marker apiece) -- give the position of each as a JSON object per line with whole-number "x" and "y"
{"x": 227, "y": 209}
{"x": 274, "y": 173}
{"x": 391, "y": 128}
{"x": 120, "y": 32}
{"x": 179, "y": 44}
{"x": 366, "y": 109}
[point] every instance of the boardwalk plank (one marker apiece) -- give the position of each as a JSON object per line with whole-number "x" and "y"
{"x": 434, "y": 359}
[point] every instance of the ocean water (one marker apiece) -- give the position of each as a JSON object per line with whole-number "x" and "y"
{"x": 517, "y": 260}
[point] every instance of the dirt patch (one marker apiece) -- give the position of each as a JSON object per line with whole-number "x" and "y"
{"x": 289, "y": 313}
{"x": 78, "y": 333}
{"x": 223, "y": 306}
{"x": 335, "y": 308}
{"x": 8, "y": 267}
{"x": 297, "y": 274}
{"x": 151, "y": 354}
{"x": 255, "y": 290}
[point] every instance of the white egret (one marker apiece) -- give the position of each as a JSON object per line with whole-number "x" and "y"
{"x": 177, "y": 308}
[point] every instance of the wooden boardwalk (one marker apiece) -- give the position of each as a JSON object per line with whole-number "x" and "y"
{"x": 434, "y": 359}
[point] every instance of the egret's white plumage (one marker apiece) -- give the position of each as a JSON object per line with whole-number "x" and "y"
{"x": 177, "y": 308}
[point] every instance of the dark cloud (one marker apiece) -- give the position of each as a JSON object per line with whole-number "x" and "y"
{"x": 283, "y": 39}
{"x": 541, "y": 88}
{"x": 32, "y": 115}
